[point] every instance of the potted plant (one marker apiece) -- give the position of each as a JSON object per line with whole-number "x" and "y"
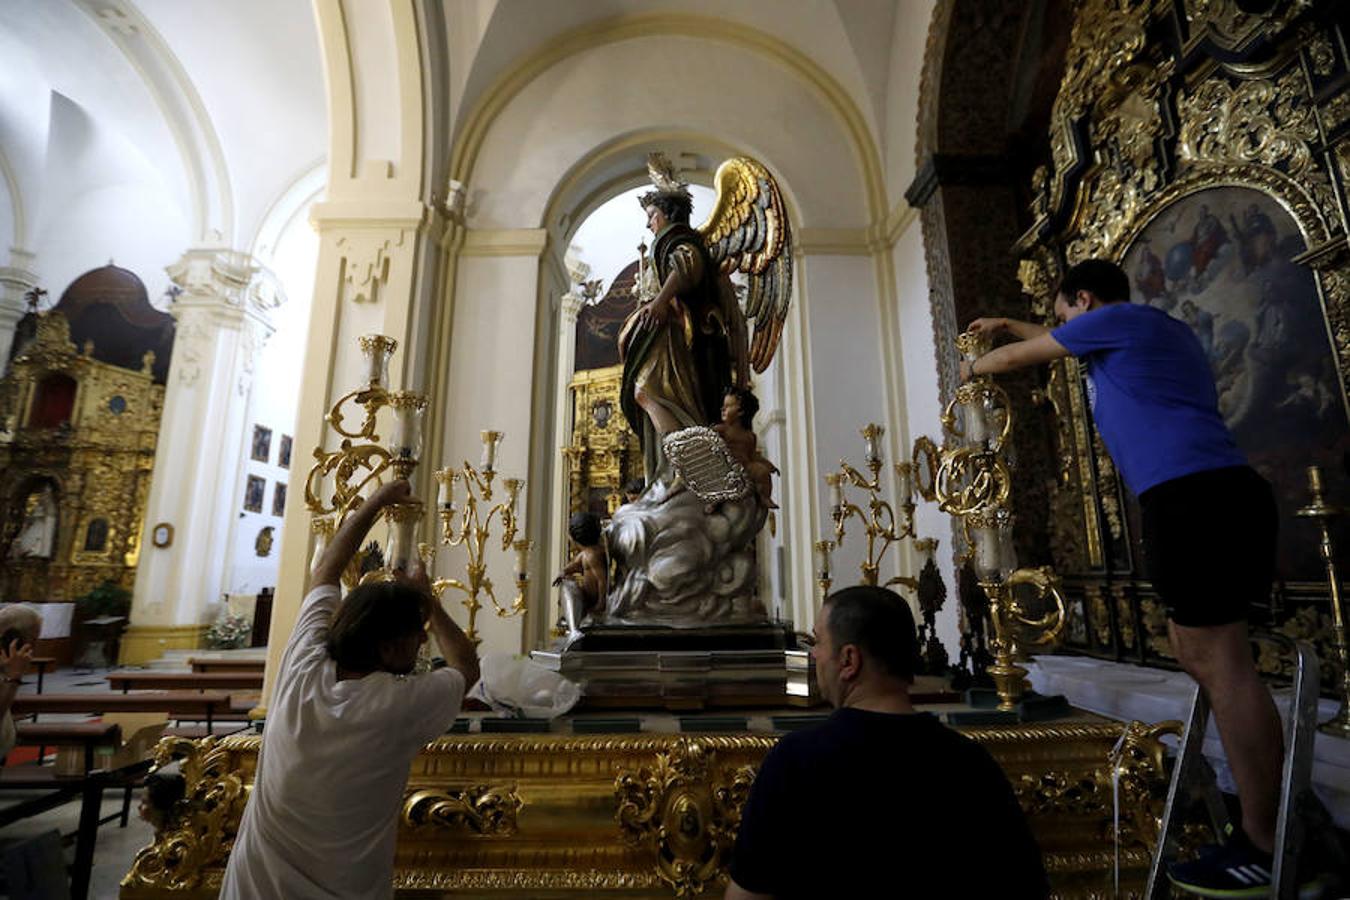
{"x": 97, "y": 613}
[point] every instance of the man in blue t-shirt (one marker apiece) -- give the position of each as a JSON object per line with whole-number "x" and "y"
{"x": 1209, "y": 523}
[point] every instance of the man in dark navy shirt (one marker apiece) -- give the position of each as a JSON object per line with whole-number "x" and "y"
{"x": 879, "y": 800}
{"x": 1209, "y": 524}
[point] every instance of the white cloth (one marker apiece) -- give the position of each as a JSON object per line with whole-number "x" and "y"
{"x": 323, "y": 814}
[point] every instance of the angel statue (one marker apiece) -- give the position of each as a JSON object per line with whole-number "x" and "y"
{"x": 686, "y": 545}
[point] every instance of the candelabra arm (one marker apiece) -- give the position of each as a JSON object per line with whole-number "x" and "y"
{"x": 904, "y": 581}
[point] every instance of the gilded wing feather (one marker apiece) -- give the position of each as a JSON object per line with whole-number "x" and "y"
{"x": 748, "y": 232}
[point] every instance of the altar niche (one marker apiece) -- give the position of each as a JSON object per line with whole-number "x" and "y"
{"x": 1214, "y": 175}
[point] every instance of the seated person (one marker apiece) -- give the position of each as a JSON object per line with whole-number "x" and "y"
{"x": 584, "y": 579}
{"x": 19, "y": 628}
{"x": 738, "y": 412}
{"x": 346, "y": 719}
{"x": 880, "y": 800}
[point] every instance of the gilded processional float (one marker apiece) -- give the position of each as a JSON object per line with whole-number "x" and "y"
{"x": 605, "y": 804}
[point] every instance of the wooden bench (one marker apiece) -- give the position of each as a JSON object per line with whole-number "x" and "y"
{"x": 87, "y": 735}
{"x": 185, "y": 681}
{"x": 60, "y": 789}
{"x": 206, "y": 664}
{"x": 41, "y": 663}
{"x": 178, "y": 704}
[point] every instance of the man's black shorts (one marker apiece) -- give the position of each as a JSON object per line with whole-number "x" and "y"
{"x": 1209, "y": 544}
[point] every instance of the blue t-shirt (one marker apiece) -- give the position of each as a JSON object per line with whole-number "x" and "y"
{"x": 1152, "y": 393}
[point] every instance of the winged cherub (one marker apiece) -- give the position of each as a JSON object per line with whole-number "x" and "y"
{"x": 685, "y": 347}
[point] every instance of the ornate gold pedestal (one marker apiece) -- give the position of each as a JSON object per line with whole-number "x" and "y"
{"x": 646, "y": 815}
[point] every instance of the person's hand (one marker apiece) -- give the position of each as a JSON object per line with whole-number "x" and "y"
{"x": 653, "y": 313}
{"x": 990, "y": 325}
{"x": 14, "y": 658}
{"x": 557, "y": 581}
{"x": 417, "y": 578}
{"x": 966, "y": 374}
{"x": 395, "y": 491}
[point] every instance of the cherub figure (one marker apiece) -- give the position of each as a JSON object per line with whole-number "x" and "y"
{"x": 739, "y": 406}
{"x": 584, "y": 579}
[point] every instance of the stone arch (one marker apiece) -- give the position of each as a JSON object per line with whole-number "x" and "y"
{"x": 990, "y": 74}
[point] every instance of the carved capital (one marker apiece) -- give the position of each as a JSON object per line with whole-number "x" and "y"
{"x": 228, "y": 279}
{"x": 366, "y": 260}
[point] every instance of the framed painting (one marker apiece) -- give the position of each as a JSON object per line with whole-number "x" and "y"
{"x": 262, "y": 443}
{"x": 284, "y": 451}
{"x": 253, "y": 494}
{"x": 1224, "y": 260}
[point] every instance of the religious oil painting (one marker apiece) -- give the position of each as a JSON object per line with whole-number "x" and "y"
{"x": 279, "y": 499}
{"x": 262, "y": 443}
{"x": 253, "y": 494}
{"x": 284, "y": 451}
{"x": 1223, "y": 261}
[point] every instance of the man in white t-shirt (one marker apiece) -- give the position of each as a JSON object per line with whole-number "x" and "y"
{"x": 345, "y": 721}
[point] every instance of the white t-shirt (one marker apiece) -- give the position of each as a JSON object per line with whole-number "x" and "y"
{"x": 322, "y": 819}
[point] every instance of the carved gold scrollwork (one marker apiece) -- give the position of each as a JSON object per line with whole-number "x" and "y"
{"x": 196, "y": 838}
{"x": 481, "y": 809}
{"x": 685, "y": 812}
{"x": 1224, "y": 21}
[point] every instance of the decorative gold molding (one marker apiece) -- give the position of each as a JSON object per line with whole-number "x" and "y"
{"x": 143, "y": 643}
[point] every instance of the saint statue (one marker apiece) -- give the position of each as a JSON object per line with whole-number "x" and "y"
{"x": 685, "y": 547}
{"x": 37, "y": 536}
{"x": 683, "y": 348}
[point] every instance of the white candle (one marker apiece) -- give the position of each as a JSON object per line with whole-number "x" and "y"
{"x": 443, "y": 492}
{"x": 836, "y": 492}
{"x": 523, "y": 557}
{"x": 977, "y": 430}
{"x": 870, "y": 450}
{"x": 904, "y": 476}
{"x": 988, "y": 555}
{"x": 402, "y": 541}
{"x": 489, "y": 458}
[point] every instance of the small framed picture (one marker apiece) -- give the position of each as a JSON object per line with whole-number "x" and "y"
{"x": 279, "y": 499}
{"x": 284, "y": 451}
{"x": 262, "y": 443}
{"x": 162, "y": 535}
{"x": 253, "y": 494}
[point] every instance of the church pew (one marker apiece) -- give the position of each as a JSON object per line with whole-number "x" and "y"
{"x": 87, "y": 735}
{"x": 179, "y": 705}
{"x": 175, "y": 681}
{"x": 205, "y": 664}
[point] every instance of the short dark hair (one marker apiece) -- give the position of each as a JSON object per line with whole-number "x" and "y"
{"x": 675, "y": 207}
{"x": 878, "y": 622}
{"x": 373, "y": 613}
{"x": 635, "y": 486}
{"x": 749, "y": 403}
{"x": 584, "y": 528}
{"x": 1102, "y": 277}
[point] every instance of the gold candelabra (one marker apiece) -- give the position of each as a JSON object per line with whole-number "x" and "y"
{"x": 474, "y": 531}
{"x": 969, "y": 478}
{"x": 339, "y": 478}
{"x": 878, "y": 519}
{"x": 1324, "y": 514}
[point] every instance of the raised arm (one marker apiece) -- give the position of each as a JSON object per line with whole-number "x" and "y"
{"x": 1022, "y": 331}
{"x": 459, "y": 652}
{"x": 353, "y": 531}
{"x": 13, "y": 663}
{"x": 1040, "y": 349}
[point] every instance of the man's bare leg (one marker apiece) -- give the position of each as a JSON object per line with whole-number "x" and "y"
{"x": 1220, "y": 659}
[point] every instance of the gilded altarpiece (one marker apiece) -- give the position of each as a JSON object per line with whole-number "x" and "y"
{"x": 603, "y": 454}
{"x": 1205, "y": 149}
{"x": 77, "y": 448}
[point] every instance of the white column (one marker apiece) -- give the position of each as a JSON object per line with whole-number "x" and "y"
{"x": 16, "y": 280}
{"x": 569, "y": 306}
{"x": 223, "y": 316}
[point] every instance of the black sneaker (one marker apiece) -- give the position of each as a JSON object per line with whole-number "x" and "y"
{"x": 1231, "y": 870}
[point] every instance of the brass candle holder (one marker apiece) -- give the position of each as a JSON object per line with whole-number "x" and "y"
{"x": 339, "y": 478}
{"x": 968, "y": 477}
{"x": 473, "y": 532}
{"x": 880, "y": 525}
{"x": 1324, "y": 514}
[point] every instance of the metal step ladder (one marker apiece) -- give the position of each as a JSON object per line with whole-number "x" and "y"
{"x": 1192, "y": 777}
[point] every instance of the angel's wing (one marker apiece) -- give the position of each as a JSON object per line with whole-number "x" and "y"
{"x": 748, "y": 232}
